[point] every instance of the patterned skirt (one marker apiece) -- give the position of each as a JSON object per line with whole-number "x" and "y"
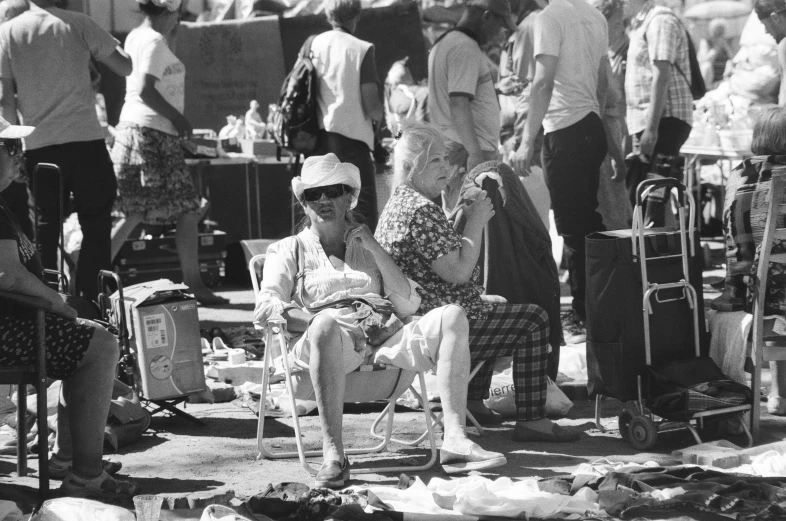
{"x": 152, "y": 178}
{"x": 66, "y": 343}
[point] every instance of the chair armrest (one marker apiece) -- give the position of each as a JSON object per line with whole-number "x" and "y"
{"x": 27, "y": 300}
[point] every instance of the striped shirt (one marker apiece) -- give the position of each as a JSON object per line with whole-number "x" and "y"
{"x": 660, "y": 37}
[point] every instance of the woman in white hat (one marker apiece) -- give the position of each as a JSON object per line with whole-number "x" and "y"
{"x": 336, "y": 258}
{"x": 81, "y": 353}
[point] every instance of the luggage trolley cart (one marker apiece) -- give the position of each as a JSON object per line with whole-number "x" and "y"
{"x": 631, "y": 382}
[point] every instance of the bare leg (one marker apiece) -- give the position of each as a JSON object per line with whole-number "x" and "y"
{"x": 327, "y": 375}
{"x": 776, "y": 403}
{"x": 453, "y": 372}
{"x": 86, "y": 397}
{"x": 122, "y": 230}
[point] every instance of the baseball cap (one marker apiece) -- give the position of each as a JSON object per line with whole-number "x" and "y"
{"x": 9, "y": 131}
{"x": 498, "y": 7}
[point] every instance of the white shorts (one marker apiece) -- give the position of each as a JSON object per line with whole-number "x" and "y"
{"x": 415, "y": 347}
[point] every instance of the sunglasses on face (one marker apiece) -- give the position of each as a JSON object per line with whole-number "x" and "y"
{"x": 330, "y": 191}
{"x": 14, "y": 146}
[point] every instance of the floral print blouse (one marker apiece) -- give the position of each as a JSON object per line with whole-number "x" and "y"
{"x": 415, "y": 232}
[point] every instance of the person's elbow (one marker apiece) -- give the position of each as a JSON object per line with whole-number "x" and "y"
{"x": 457, "y": 275}
{"x": 372, "y": 105}
{"x": 9, "y": 279}
{"x": 119, "y": 62}
{"x": 543, "y": 85}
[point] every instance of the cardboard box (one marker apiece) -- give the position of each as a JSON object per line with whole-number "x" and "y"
{"x": 163, "y": 326}
{"x": 198, "y": 147}
{"x": 265, "y": 147}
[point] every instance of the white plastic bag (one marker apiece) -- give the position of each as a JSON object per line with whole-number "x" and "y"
{"x": 221, "y": 513}
{"x": 502, "y": 396}
{"x": 78, "y": 509}
{"x": 9, "y": 511}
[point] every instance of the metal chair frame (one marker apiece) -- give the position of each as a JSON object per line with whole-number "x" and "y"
{"x": 275, "y": 341}
{"x": 770, "y": 348}
{"x": 34, "y": 374}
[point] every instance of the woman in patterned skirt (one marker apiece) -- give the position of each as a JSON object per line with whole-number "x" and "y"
{"x": 154, "y": 185}
{"x": 79, "y": 352}
{"x": 417, "y": 235}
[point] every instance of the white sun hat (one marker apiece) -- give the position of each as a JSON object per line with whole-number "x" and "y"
{"x": 325, "y": 171}
{"x": 9, "y": 131}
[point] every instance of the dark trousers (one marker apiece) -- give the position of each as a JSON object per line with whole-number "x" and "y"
{"x": 88, "y": 176}
{"x": 572, "y": 158}
{"x": 17, "y": 200}
{"x": 672, "y": 134}
{"x": 355, "y": 152}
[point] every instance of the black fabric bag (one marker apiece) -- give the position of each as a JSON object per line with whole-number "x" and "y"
{"x": 678, "y": 390}
{"x": 614, "y": 296}
{"x": 296, "y": 119}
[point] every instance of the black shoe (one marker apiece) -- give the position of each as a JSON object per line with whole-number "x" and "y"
{"x": 332, "y": 474}
{"x": 733, "y": 296}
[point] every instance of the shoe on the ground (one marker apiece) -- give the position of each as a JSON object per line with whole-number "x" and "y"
{"x": 573, "y": 329}
{"x": 558, "y": 434}
{"x": 104, "y": 488}
{"x": 475, "y": 459}
{"x": 776, "y": 406}
{"x": 733, "y": 296}
{"x": 58, "y": 468}
{"x": 332, "y": 474}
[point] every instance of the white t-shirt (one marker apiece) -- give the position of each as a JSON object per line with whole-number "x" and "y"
{"x": 150, "y": 54}
{"x": 456, "y": 65}
{"x": 577, "y": 34}
{"x": 337, "y": 57}
{"x": 46, "y": 52}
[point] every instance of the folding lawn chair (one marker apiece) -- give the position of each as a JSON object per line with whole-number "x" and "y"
{"x": 767, "y": 345}
{"x": 368, "y": 383}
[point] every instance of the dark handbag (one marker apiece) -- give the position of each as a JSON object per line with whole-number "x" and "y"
{"x": 375, "y": 316}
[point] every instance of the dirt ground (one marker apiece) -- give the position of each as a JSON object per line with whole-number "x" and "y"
{"x": 178, "y": 458}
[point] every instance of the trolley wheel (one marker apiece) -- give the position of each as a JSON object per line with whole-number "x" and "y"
{"x": 623, "y": 420}
{"x": 642, "y": 432}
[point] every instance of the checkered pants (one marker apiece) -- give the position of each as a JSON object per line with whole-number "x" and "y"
{"x": 523, "y": 331}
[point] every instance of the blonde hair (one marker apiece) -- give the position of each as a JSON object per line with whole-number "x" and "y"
{"x": 412, "y": 150}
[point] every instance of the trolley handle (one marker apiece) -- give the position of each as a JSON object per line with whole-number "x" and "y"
{"x": 651, "y": 184}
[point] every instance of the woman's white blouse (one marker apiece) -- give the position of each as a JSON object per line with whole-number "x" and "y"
{"x": 324, "y": 283}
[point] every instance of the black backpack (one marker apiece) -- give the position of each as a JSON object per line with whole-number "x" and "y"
{"x": 296, "y": 120}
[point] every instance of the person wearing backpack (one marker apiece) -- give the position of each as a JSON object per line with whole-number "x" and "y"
{"x": 658, "y": 89}
{"x": 348, "y": 98}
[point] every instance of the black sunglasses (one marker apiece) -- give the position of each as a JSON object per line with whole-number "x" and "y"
{"x": 14, "y": 146}
{"x": 330, "y": 191}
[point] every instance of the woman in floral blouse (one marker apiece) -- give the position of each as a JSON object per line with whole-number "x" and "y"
{"x": 419, "y": 238}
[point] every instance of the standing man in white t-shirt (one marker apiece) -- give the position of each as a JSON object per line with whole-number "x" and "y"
{"x": 463, "y": 104}
{"x": 348, "y": 97}
{"x": 44, "y": 74}
{"x": 570, "y": 79}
